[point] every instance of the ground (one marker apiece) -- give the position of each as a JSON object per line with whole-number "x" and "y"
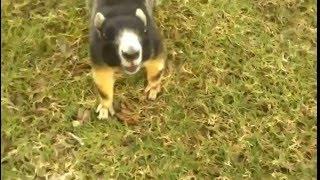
{"x": 238, "y": 98}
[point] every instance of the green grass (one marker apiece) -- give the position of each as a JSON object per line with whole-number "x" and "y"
{"x": 238, "y": 98}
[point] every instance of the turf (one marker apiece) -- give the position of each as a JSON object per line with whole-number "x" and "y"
{"x": 238, "y": 98}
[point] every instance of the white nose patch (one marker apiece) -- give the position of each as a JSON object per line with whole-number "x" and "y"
{"x": 129, "y": 42}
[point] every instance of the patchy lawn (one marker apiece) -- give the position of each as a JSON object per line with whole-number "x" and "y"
{"x": 238, "y": 98}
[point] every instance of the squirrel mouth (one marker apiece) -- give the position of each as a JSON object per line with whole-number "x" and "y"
{"x": 131, "y": 69}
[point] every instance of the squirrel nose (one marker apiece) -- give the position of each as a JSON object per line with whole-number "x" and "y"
{"x": 130, "y": 54}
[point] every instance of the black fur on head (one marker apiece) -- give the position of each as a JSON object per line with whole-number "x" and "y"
{"x": 110, "y": 19}
{"x": 110, "y": 30}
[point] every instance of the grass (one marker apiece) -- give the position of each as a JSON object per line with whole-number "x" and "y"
{"x": 238, "y": 99}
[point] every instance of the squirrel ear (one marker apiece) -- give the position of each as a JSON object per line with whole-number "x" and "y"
{"x": 140, "y": 14}
{"x": 99, "y": 20}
